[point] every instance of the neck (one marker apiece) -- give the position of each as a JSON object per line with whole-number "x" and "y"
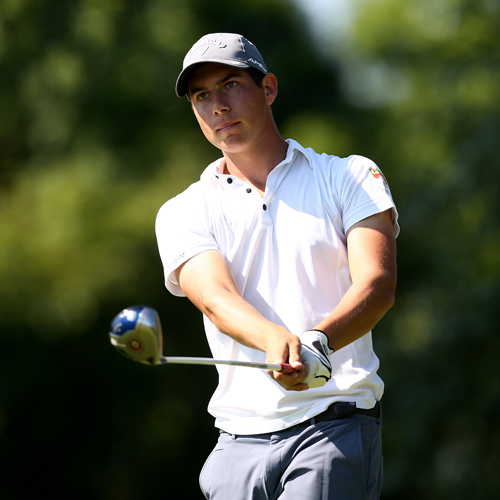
{"x": 255, "y": 165}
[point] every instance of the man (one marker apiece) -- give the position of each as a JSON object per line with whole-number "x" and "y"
{"x": 291, "y": 257}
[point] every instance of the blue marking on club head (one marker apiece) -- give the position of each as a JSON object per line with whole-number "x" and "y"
{"x": 126, "y": 321}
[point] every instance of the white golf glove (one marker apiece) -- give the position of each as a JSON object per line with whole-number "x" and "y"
{"x": 316, "y": 353}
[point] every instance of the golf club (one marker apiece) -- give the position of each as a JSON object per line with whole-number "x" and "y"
{"x": 136, "y": 333}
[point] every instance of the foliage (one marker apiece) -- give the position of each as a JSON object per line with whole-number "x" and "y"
{"x": 429, "y": 72}
{"x": 93, "y": 141}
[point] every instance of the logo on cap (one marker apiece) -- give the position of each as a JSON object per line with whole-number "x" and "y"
{"x": 205, "y": 45}
{"x": 260, "y": 65}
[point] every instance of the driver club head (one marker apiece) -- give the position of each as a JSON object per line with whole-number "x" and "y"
{"x": 136, "y": 333}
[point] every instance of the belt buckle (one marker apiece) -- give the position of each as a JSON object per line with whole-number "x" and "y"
{"x": 343, "y": 409}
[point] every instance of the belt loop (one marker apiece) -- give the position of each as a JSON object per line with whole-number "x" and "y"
{"x": 313, "y": 421}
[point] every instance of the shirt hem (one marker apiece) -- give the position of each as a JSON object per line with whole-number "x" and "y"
{"x": 283, "y": 425}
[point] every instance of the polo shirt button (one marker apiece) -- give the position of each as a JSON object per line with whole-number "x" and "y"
{"x": 249, "y": 190}
{"x": 229, "y": 180}
{"x": 264, "y": 207}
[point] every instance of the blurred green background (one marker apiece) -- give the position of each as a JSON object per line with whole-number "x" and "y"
{"x": 93, "y": 141}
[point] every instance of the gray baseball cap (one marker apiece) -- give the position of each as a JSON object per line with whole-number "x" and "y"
{"x": 224, "y": 48}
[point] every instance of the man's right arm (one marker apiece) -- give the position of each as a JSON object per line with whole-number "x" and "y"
{"x": 208, "y": 282}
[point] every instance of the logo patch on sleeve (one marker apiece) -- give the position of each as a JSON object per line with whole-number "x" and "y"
{"x": 377, "y": 173}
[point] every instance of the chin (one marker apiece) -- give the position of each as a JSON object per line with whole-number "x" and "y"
{"x": 234, "y": 145}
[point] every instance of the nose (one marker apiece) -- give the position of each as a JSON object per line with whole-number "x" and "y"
{"x": 219, "y": 104}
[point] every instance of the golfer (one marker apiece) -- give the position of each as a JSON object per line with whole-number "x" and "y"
{"x": 290, "y": 255}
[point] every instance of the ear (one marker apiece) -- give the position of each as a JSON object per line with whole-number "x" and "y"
{"x": 270, "y": 87}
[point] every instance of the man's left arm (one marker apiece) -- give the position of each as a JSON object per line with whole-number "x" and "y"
{"x": 371, "y": 248}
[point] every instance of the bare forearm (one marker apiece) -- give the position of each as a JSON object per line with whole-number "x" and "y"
{"x": 371, "y": 249}
{"x": 361, "y": 308}
{"x": 234, "y": 316}
{"x": 209, "y": 284}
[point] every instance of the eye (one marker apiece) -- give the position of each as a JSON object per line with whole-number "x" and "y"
{"x": 230, "y": 85}
{"x": 201, "y": 96}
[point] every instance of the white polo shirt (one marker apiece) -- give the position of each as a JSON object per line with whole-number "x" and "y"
{"x": 287, "y": 252}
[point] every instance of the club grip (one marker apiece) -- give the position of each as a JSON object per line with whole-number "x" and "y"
{"x": 286, "y": 368}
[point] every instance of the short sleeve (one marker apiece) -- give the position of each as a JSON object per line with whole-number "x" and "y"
{"x": 363, "y": 191}
{"x": 183, "y": 231}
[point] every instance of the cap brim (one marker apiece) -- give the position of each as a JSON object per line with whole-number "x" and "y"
{"x": 182, "y": 87}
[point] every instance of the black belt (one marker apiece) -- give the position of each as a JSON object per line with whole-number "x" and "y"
{"x": 343, "y": 409}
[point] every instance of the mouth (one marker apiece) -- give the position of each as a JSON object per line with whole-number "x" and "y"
{"x": 227, "y": 126}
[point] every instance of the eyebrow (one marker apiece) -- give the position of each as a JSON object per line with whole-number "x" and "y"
{"x": 219, "y": 82}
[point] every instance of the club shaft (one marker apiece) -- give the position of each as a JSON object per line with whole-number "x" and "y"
{"x": 283, "y": 367}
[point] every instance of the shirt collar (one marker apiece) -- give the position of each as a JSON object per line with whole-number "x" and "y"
{"x": 215, "y": 168}
{"x": 295, "y": 146}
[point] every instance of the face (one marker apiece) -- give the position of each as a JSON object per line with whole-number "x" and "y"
{"x": 233, "y": 112}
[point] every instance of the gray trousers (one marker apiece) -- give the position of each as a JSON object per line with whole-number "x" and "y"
{"x": 332, "y": 460}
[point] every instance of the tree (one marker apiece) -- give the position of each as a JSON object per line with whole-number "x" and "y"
{"x": 93, "y": 141}
{"x": 427, "y": 72}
